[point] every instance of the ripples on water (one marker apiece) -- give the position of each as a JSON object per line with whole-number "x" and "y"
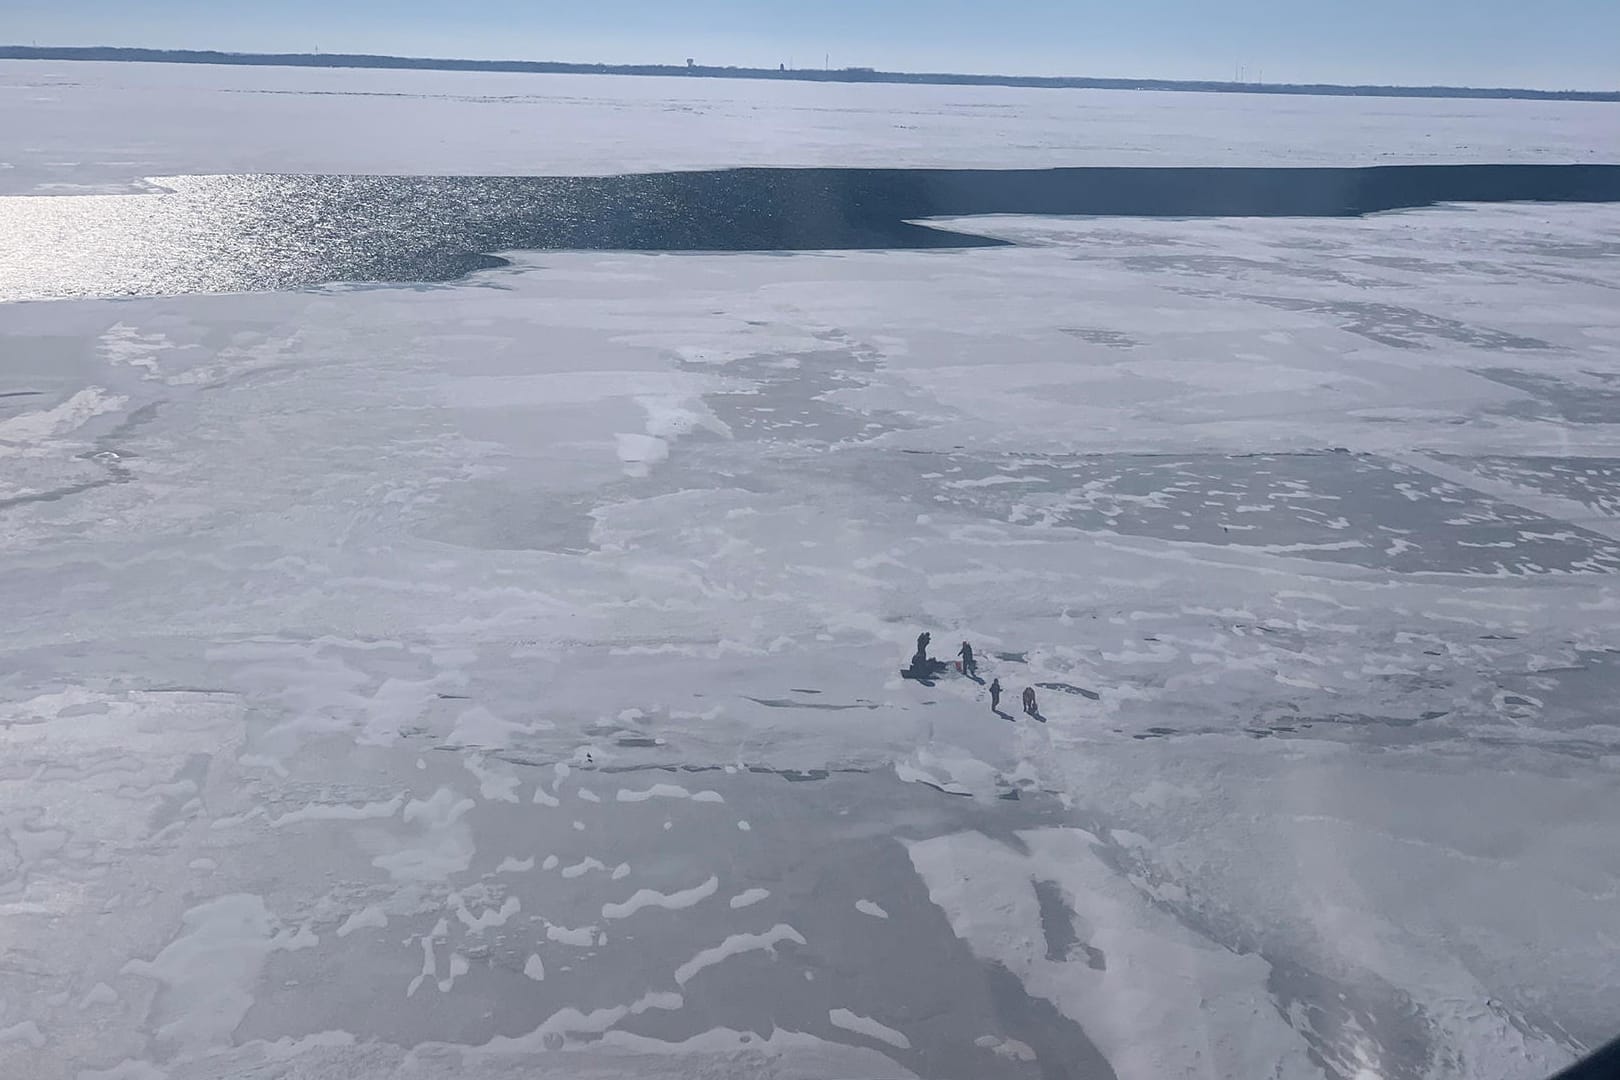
{"x": 266, "y": 232}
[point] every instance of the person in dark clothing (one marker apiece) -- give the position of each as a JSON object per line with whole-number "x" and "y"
{"x": 1029, "y": 701}
{"x": 995, "y": 695}
{"x": 923, "y": 669}
{"x": 969, "y": 667}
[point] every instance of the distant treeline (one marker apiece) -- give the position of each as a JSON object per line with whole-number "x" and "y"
{"x": 840, "y": 75}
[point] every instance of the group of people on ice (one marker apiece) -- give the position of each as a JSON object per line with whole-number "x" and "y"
{"x": 925, "y": 669}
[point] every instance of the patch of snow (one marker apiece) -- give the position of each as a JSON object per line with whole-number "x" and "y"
{"x": 99, "y": 994}
{"x": 498, "y": 783}
{"x": 370, "y": 916}
{"x": 734, "y": 945}
{"x": 579, "y": 937}
{"x": 31, "y": 428}
{"x": 657, "y": 791}
{"x": 489, "y": 917}
{"x": 444, "y": 846}
{"x": 340, "y": 812}
{"x": 1135, "y": 1018}
{"x": 865, "y": 1025}
{"x": 26, "y": 1032}
{"x": 208, "y": 973}
{"x": 867, "y": 907}
{"x": 674, "y": 901}
{"x": 586, "y": 864}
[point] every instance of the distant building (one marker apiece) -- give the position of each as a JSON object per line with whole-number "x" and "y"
{"x": 690, "y": 62}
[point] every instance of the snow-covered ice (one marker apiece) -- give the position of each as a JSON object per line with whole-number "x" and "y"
{"x": 673, "y": 901}
{"x": 865, "y": 1025}
{"x": 348, "y": 665}
{"x": 735, "y": 945}
{"x": 103, "y": 127}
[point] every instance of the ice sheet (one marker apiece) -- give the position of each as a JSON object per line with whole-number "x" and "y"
{"x": 304, "y": 683}
{"x": 81, "y": 126}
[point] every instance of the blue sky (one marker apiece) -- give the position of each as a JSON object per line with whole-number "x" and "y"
{"x": 1543, "y": 43}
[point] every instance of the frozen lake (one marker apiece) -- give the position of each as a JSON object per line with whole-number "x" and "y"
{"x": 499, "y": 676}
{"x": 76, "y": 127}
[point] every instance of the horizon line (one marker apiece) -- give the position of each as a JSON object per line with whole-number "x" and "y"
{"x": 385, "y": 61}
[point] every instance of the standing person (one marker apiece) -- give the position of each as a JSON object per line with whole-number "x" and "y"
{"x": 969, "y": 667}
{"x": 921, "y": 659}
{"x": 1029, "y": 701}
{"x": 995, "y": 695}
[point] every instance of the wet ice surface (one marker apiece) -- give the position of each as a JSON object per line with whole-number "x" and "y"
{"x": 502, "y": 677}
{"x": 812, "y": 848}
{"x": 1336, "y": 506}
{"x": 1594, "y": 482}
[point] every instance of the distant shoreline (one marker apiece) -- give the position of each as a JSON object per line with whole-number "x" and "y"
{"x": 837, "y": 75}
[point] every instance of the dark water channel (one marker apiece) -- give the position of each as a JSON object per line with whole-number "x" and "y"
{"x": 262, "y": 232}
